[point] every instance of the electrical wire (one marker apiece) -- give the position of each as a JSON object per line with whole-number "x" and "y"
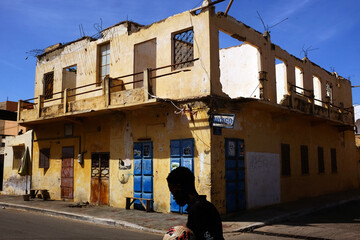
{"x": 255, "y": 89}
{"x": 181, "y": 110}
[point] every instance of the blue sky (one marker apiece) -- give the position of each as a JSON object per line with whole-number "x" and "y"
{"x": 329, "y": 26}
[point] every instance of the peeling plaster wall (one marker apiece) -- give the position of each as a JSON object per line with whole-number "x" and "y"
{"x": 263, "y": 179}
{"x": 84, "y": 54}
{"x": 159, "y": 125}
{"x": 14, "y": 184}
{"x": 268, "y": 52}
{"x": 263, "y": 133}
{"x": 115, "y": 133}
{"x": 129, "y": 118}
{"x": 239, "y": 71}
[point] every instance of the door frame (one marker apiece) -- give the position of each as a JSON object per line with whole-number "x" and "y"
{"x": 236, "y": 182}
{"x": 140, "y": 159}
{"x": 177, "y": 159}
{"x": 62, "y": 157}
{"x": 99, "y": 178}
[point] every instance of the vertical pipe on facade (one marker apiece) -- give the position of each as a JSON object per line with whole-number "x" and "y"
{"x": 18, "y": 110}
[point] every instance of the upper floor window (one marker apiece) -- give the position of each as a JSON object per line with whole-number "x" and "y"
{"x": 299, "y": 80}
{"x": 329, "y": 92}
{"x": 48, "y": 85}
{"x": 69, "y": 77}
{"x": 183, "y": 48}
{"x": 104, "y": 61}
{"x": 281, "y": 80}
{"x": 317, "y": 90}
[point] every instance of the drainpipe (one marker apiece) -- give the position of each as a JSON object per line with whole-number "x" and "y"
{"x": 32, "y": 157}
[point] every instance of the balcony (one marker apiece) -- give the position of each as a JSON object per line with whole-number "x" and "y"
{"x": 111, "y": 93}
{"x": 306, "y": 103}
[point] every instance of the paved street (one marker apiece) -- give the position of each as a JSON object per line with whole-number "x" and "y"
{"x": 342, "y": 222}
{"x": 338, "y": 219}
{"x": 16, "y": 224}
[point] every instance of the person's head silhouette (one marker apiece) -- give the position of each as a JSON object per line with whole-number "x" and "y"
{"x": 181, "y": 182}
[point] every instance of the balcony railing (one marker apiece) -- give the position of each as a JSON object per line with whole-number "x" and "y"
{"x": 73, "y": 99}
{"x": 305, "y": 102}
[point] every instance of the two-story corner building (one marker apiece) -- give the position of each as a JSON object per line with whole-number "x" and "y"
{"x": 257, "y": 126}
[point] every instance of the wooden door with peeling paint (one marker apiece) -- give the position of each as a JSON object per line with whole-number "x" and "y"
{"x": 67, "y": 173}
{"x": 100, "y": 178}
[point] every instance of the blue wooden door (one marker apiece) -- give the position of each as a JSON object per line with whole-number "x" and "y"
{"x": 143, "y": 172}
{"x": 235, "y": 175}
{"x": 181, "y": 154}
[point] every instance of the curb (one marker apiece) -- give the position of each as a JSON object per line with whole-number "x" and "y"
{"x": 79, "y": 217}
{"x": 292, "y": 215}
{"x": 110, "y": 222}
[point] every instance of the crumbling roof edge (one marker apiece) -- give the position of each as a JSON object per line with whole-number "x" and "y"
{"x": 122, "y": 22}
{"x": 64, "y": 45}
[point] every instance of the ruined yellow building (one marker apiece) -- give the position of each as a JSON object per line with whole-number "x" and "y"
{"x": 113, "y": 115}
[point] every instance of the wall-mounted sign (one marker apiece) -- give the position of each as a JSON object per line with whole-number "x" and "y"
{"x": 223, "y": 120}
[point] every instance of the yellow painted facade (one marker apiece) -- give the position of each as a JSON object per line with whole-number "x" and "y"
{"x": 166, "y": 102}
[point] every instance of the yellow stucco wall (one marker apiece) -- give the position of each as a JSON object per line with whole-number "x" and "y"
{"x": 130, "y": 117}
{"x": 265, "y": 131}
{"x": 115, "y": 133}
{"x": 158, "y": 125}
{"x": 83, "y": 53}
{"x": 13, "y": 183}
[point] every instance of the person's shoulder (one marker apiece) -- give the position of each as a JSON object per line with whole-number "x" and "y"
{"x": 202, "y": 203}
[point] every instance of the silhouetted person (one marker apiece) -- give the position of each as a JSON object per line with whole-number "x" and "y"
{"x": 203, "y": 218}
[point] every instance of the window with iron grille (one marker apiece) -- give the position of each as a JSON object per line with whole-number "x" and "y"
{"x": 333, "y": 160}
{"x": 104, "y": 61}
{"x": 100, "y": 165}
{"x": 18, "y": 154}
{"x": 304, "y": 159}
{"x": 44, "y": 158}
{"x": 321, "y": 165}
{"x": 183, "y": 48}
{"x": 48, "y": 85}
{"x": 285, "y": 160}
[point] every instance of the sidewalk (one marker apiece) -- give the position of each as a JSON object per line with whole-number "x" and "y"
{"x": 160, "y": 222}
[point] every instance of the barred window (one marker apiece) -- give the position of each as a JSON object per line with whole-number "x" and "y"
{"x": 44, "y": 158}
{"x": 183, "y": 48}
{"x": 48, "y": 85}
